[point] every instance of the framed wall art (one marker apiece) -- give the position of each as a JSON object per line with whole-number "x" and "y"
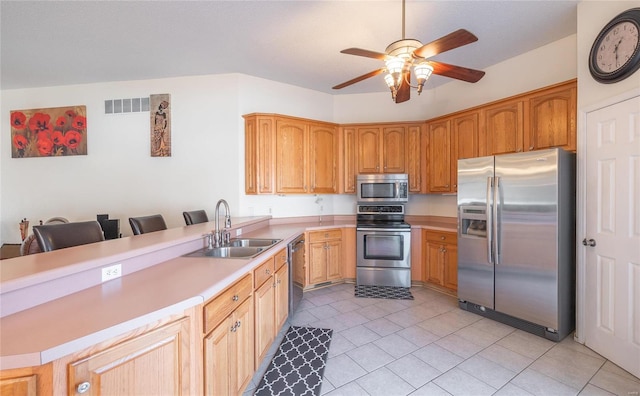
{"x": 52, "y": 132}
{"x": 160, "y": 110}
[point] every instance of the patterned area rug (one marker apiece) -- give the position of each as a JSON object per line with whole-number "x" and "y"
{"x": 389, "y": 292}
{"x": 298, "y": 365}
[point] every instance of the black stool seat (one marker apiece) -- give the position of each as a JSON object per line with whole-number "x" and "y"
{"x": 59, "y": 236}
{"x": 145, "y": 224}
{"x": 195, "y": 217}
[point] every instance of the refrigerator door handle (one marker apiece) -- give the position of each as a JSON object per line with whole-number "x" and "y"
{"x": 489, "y": 201}
{"x": 496, "y": 224}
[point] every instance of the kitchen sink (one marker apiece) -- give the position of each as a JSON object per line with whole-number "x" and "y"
{"x": 237, "y": 248}
{"x": 253, "y": 242}
{"x": 228, "y": 252}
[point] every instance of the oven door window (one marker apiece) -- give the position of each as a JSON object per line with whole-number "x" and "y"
{"x": 378, "y": 190}
{"x": 383, "y": 247}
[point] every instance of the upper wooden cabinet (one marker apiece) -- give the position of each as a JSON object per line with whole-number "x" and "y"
{"x": 259, "y": 152}
{"x": 552, "y": 119}
{"x": 381, "y": 149}
{"x": 292, "y": 145}
{"x": 288, "y": 155}
{"x": 293, "y": 155}
{"x": 503, "y": 125}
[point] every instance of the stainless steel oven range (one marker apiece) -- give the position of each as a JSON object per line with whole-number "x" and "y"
{"x": 383, "y": 244}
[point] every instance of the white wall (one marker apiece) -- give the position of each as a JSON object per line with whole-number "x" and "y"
{"x": 119, "y": 177}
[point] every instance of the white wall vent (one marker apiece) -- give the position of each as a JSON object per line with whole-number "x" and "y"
{"x": 120, "y": 106}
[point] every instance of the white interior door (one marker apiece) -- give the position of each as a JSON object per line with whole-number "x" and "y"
{"x": 612, "y": 302}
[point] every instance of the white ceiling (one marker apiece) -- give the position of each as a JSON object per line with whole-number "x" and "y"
{"x": 51, "y": 43}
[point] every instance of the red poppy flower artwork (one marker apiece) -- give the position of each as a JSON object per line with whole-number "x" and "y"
{"x": 52, "y": 132}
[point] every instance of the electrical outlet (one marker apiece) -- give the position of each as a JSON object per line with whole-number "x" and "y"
{"x": 111, "y": 272}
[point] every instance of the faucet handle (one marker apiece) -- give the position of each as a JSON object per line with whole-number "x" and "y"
{"x": 226, "y": 236}
{"x": 209, "y": 239}
{"x": 227, "y": 221}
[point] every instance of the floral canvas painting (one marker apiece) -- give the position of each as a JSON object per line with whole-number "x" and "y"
{"x": 52, "y": 132}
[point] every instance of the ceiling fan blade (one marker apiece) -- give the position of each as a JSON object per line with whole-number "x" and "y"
{"x": 450, "y": 41}
{"x": 365, "y": 53}
{"x": 359, "y": 78}
{"x": 457, "y": 72}
{"x": 404, "y": 92}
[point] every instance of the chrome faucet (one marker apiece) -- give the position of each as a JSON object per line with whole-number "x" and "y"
{"x": 224, "y": 236}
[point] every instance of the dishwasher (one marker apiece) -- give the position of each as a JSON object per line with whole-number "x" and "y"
{"x": 295, "y": 251}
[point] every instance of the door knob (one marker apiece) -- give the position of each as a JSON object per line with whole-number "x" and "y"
{"x": 589, "y": 242}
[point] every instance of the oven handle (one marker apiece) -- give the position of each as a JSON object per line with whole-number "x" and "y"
{"x": 374, "y": 230}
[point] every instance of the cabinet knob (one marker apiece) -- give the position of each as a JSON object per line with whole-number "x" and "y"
{"x": 279, "y": 281}
{"x": 267, "y": 271}
{"x": 235, "y": 298}
{"x": 443, "y": 238}
{"x": 238, "y": 324}
{"x": 83, "y": 387}
{"x": 518, "y": 150}
{"x": 531, "y": 148}
{"x": 446, "y": 185}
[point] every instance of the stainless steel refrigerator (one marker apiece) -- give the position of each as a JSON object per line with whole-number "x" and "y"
{"x": 516, "y": 240}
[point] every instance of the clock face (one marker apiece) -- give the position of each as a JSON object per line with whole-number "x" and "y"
{"x": 617, "y": 47}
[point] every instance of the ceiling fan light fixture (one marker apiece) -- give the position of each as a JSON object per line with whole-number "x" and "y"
{"x": 422, "y": 71}
{"x": 391, "y": 83}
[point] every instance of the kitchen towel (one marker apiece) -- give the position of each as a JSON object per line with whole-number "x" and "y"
{"x": 298, "y": 365}
{"x": 389, "y": 292}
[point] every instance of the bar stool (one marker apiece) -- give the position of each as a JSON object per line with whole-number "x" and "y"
{"x": 59, "y": 236}
{"x": 145, "y": 224}
{"x": 195, "y": 217}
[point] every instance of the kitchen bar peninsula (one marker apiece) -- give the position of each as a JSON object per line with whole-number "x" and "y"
{"x": 56, "y": 312}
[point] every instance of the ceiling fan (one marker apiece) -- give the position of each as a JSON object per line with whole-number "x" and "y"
{"x": 400, "y": 56}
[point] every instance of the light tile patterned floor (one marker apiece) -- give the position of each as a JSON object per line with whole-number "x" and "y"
{"x": 429, "y": 346}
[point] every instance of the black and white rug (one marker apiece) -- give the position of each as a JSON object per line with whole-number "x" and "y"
{"x": 389, "y": 292}
{"x": 298, "y": 365}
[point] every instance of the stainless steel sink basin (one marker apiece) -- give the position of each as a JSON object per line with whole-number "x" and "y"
{"x": 253, "y": 242}
{"x": 228, "y": 252}
{"x": 237, "y": 248}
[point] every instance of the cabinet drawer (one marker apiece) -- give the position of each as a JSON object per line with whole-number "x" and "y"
{"x": 321, "y": 236}
{"x": 262, "y": 273}
{"x": 442, "y": 237}
{"x": 281, "y": 259}
{"x": 220, "y": 307}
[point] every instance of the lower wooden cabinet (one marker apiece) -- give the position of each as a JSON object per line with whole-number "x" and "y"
{"x": 154, "y": 363}
{"x": 271, "y": 301}
{"x": 325, "y": 255}
{"x": 29, "y": 381}
{"x": 228, "y": 353}
{"x": 441, "y": 258}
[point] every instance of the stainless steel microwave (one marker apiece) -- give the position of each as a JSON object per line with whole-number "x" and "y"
{"x": 391, "y": 187}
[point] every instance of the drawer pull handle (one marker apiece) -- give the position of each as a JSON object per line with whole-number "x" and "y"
{"x": 83, "y": 387}
{"x": 235, "y": 298}
{"x": 267, "y": 271}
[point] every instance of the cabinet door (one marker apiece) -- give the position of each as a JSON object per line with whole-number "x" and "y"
{"x": 504, "y": 127}
{"x": 393, "y": 149}
{"x": 323, "y": 159}
{"x": 242, "y": 352}
{"x": 291, "y": 156}
{"x": 317, "y": 263}
{"x": 264, "y": 319}
{"x": 154, "y": 363}
{"x": 349, "y": 159}
{"x": 435, "y": 267}
{"x": 217, "y": 359}
{"x": 451, "y": 267}
{"x": 552, "y": 119}
{"x": 369, "y": 150}
{"x": 250, "y": 156}
{"x": 414, "y": 168}
{"x": 334, "y": 259}
{"x": 464, "y": 136}
{"x": 439, "y": 157}
{"x": 282, "y": 296}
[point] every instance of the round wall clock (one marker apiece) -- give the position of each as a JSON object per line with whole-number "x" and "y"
{"x": 615, "y": 54}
